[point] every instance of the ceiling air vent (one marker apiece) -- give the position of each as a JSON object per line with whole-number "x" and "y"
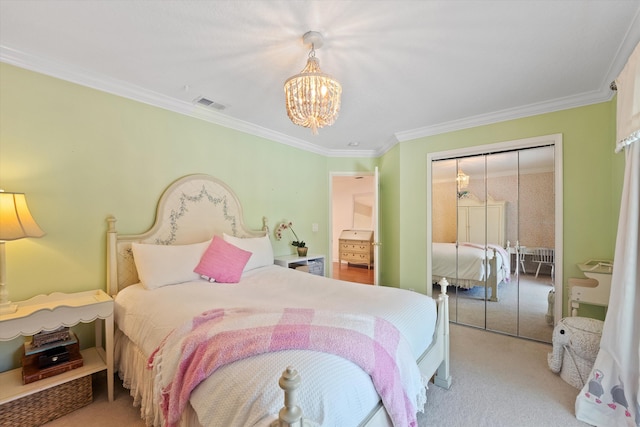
{"x": 209, "y": 103}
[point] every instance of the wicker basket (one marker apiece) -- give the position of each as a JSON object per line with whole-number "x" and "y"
{"x": 47, "y": 405}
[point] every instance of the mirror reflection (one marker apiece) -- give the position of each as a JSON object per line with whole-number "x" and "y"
{"x": 493, "y": 239}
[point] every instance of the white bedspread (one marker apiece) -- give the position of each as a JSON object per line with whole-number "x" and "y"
{"x": 469, "y": 264}
{"x": 465, "y": 265}
{"x": 334, "y": 391}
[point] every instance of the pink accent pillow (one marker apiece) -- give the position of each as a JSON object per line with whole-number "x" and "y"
{"x": 223, "y": 261}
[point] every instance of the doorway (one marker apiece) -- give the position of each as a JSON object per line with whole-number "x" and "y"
{"x": 493, "y": 210}
{"x": 354, "y": 213}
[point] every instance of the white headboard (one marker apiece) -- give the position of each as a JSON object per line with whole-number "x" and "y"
{"x": 191, "y": 210}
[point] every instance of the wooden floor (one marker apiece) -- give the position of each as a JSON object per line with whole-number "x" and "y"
{"x": 353, "y": 273}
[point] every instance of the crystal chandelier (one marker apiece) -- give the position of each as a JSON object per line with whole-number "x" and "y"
{"x": 462, "y": 179}
{"x": 312, "y": 97}
{"x": 463, "y": 182}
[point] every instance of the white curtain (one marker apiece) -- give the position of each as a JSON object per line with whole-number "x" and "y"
{"x": 611, "y": 397}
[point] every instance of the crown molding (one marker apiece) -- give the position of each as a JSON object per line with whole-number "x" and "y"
{"x": 587, "y": 98}
{"x": 119, "y": 88}
{"x": 558, "y": 104}
{"x": 353, "y": 153}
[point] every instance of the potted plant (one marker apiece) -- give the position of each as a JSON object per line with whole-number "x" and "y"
{"x": 300, "y": 245}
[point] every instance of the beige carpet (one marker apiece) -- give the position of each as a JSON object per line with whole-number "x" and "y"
{"x": 497, "y": 381}
{"x": 521, "y": 310}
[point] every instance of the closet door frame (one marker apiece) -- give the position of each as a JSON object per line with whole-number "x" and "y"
{"x": 556, "y": 141}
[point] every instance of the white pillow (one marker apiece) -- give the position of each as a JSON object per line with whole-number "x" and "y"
{"x": 260, "y": 248}
{"x": 162, "y": 265}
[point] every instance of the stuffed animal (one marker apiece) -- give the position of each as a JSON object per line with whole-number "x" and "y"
{"x": 576, "y": 341}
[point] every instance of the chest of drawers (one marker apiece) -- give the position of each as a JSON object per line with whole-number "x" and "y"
{"x": 356, "y": 247}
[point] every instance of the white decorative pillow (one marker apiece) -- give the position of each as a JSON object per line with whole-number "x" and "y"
{"x": 260, "y": 248}
{"x": 162, "y": 265}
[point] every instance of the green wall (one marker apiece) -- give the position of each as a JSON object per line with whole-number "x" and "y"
{"x": 80, "y": 155}
{"x": 592, "y": 176}
{"x": 390, "y": 209}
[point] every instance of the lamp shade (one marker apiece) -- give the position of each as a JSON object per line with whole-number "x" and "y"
{"x": 16, "y": 221}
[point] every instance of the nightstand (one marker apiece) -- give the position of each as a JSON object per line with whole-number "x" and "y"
{"x": 49, "y": 312}
{"x": 314, "y": 264}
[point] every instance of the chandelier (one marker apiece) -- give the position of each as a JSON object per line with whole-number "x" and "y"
{"x": 462, "y": 179}
{"x": 463, "y": 182}
{"x": 312, "y": 97}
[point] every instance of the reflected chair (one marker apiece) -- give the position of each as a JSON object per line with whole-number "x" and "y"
{"x": 544, "y": 256}
{"x": 522, "y": 259}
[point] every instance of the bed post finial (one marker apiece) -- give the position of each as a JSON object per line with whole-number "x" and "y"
{"x": 265, "y": 224}
{"x": 443, "y": 285}
{"x": 291, "y": 414}
{"x": 111, "y": 224}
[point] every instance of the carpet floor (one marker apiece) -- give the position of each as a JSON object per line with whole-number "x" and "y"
{"x": 521, "y": 310}
{"x": 498, "y": 381}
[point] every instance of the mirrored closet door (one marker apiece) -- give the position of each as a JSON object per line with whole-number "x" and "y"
{"x": 492, "y": 216}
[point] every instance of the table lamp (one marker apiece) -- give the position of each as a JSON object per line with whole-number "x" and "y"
{"x": 16, "y": 222}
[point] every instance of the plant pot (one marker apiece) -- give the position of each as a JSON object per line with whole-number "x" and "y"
{"x": 302, "y": 251}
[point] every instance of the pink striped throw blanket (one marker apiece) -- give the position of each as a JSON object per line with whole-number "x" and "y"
{"x": 190, "y": 353}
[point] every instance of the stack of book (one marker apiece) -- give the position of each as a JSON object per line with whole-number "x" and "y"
{"x": 50, "y": 353}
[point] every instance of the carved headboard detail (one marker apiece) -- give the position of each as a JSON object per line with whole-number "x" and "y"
{"x": 191, "y": 210}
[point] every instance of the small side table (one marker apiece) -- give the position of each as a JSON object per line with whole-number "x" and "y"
{"x": 50, "y": 312}
{"x": 315, "y": 263}
{"x": 595, "y": 289}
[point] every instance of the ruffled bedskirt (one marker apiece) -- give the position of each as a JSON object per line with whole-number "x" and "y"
{"x": 131, "y": 365}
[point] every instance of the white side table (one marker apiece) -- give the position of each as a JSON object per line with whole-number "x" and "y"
{"x": 293, "y": 261}
{"x": 595, "y": 289}
{"x": 50, "y": 312}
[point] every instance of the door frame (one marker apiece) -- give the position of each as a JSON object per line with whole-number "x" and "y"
{"x": 376, "y": 192}
{"x": 553, "y": 139}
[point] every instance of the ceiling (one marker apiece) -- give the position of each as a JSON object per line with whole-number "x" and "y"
{"x": 408, "y": 68}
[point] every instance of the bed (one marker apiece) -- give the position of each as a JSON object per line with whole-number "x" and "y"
{"x": 469, "y": 264}
{"x": 168, "y": 316}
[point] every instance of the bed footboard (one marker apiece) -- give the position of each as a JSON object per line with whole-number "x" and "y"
{"x": 434, "y": 363}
